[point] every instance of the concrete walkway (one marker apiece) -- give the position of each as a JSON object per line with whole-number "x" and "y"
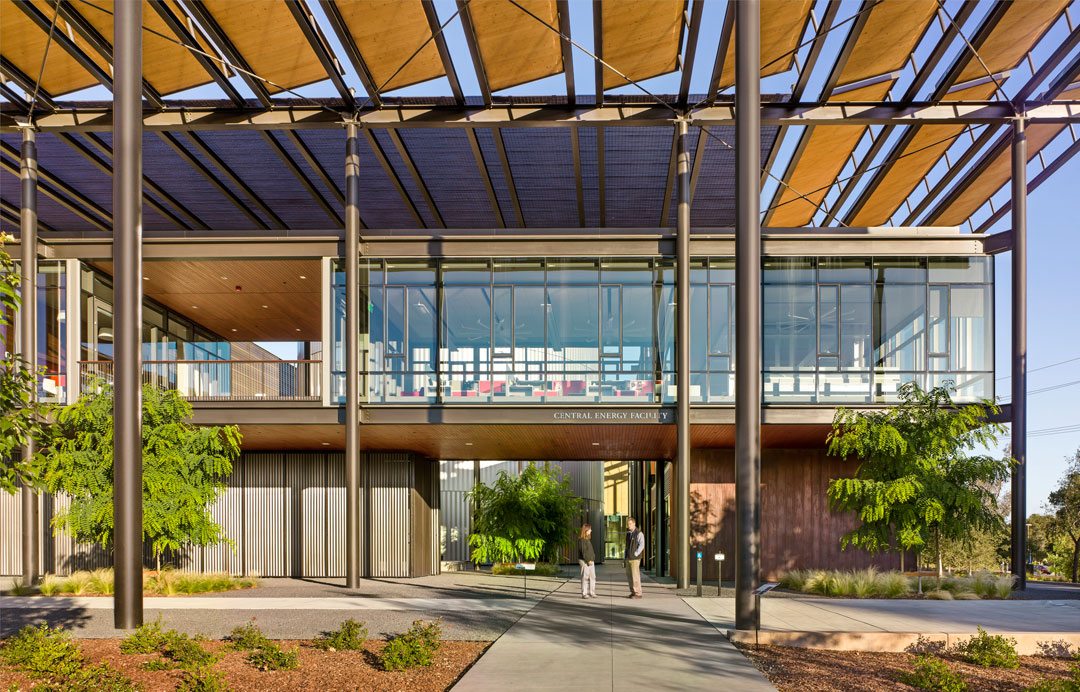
{"x": 612, "y": 643}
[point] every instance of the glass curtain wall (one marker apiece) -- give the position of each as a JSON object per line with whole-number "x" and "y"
{"x": 52, "y": 347}
{"x": 590, "y": 330}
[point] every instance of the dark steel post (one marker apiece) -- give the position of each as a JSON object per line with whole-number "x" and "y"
{"x": 747, "y": 310}
{"x": 28, "y": 175}
{"x": 127, "y": 283}
{"x": 1019, "y": 353}
{"x": 352, "y": 355}
{"x": 682, "y": 364}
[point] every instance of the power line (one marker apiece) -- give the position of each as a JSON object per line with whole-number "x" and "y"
{"x": 1049, "y": 432}
{"x": 1044, "y": 367}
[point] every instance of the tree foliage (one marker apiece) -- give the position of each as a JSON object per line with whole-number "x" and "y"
{"x": 918, "y": 481}
{"x": 1064, "y": 502}
{"x": 184, "y": 469}
{"x": 524, "y": 517}
{"x": 19, "y": 416}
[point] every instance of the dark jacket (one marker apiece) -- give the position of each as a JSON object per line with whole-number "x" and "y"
{"x": 585, "y": 550}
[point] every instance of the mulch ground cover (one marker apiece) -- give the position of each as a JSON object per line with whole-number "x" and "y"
{"x": 324, "y": 671}
{"x": 817, "y": 670}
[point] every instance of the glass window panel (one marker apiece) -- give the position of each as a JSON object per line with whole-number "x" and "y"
{"x": 573, "y": 334}
{"x": 467, "y": 327}
{"x": 415, "y": 273}
{"x": 395, "y": 321}
{"x": 720, "y": 363}
{"x": 611, "y": 320}
{"x": 665, "y": 271}
{"x": 789, "y": 328}
{"x": 829, "y": 320}
{"x": 575, "y": 271}
{"x": 899, "y": 343}
{"x": 376, "y": 273}
{"x": 699, "y": 325}
{"x": 530, "y": 313}
{"x": 900, "y": 269}
{"x": 526, "y": 271}
{"x": 788, "y": 270}
{"x": 699, "y": 271}
{"x": 971, "y": 327}
{"x": 938, "y": 320}
{"x": 421, "y": 328}
{"x": 854, "y": 327}
{"x": 959, "y": 269}
{"x": 722, "y": 270}
{"x": 466, "y": 272}
{"x": 844, "y": 270}
{"x": 665, "y": 327}
{"x": 376, "y": 327}
{"x": 503, "y": 321}
{"x": 630, "y": 271}
{"x": 720, "y": 318}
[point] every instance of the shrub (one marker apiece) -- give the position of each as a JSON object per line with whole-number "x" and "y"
{"x": 78, "y": 583}
{"x": 182, "y": 651}
{"x": 989, "y": 650}
{"x": 864, "y": 583}
{"x": 1057, "y": 648}
{"x": 795, "y": 580}
{"x": 202, "y": 680}
{"x": 349, "y": 637}
{"x": 101, "y": 581}
{"x": 924, "y": 646}
{"x": 413, "y": 648}
{"x": 18, "y": 588}
{"x": 543, "y": 569}
{"x": 43, "y": 650}
{"x": 967, "y": 596}
{"x": 146, "y": 639}
{"x": 272, "y": 657}
{"x": 52, "y": 585}
{"x": 248, "y": 637}
{"x": 939, "y": 595}
{"x": 932, "y": 673}
{"x": 893, "y": 585}
{"x": 97, "y": 678}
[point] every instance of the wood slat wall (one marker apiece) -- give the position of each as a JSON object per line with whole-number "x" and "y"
{"x": 387, "y": 33}
{"x": 516, "y": 48}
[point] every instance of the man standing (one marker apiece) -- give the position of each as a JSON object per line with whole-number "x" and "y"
{"x": 635, "y": 546}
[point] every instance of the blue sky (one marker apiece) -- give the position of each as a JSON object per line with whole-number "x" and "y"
{"x": 1054, "y": 229}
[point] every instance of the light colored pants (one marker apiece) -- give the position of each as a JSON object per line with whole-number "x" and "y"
{"x": 633, "y": 576}
{"x": 588, "y": 578}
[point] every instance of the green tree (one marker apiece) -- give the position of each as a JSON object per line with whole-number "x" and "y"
{"x": 918, "y": 483}
{"x": 18, "y": 415}
{"x": 1065, "y": 504}
{"x": 185, "y": 468}
{"x": 524, "y": 517}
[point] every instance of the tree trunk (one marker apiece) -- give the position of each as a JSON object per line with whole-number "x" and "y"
{"x": 901, "y": 559}
{"x": 937, "y": 550}
{"x": 1076, "y": 558}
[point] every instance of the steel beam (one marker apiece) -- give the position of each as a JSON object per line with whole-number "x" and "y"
{"x": 601, "y": 176}
{"x": 726, "y": 31}
{"x": 61, "y": 193}
{"x": 508, "y": 173}
{"x": 24, "y": 82}
{"x": 747, "y": 312}
{"x": 188, "y": 38}
{"x": 1019, "y": 354}
{"x": 337, "y": 23}
{"x": 682, "y": 361}
{"x": 598, "y": 50}
{"x": 474, "y": 50}
{"x": 567, "y": 50}
{"x": 232, "y": 55}
{"x": 444, "y": 52}
{"x": 482, "y": 168}
{"x": 294, "y": 168}
{"x": 410, "y": 165}
{"x": 28, "y": 327}
{"x": 127, "y": 306}
{"x": 392, "y": 174}
{"x": 308, "y": 117}
{"x": 313, "y": 162}
{"x": 302, "y": 14}
{"x": 1038, "y": 180}
{"x": 688, "y": 56}
{"x": 575, "y": 150}
{"x": 352, "y": 357}
{"x": 65, "y": 42}
{"x": 212, "y": 156}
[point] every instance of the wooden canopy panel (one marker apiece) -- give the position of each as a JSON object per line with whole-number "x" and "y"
{"x": 782, "y": 25}
{"x": 205, "y": 291}
{"x": 514, "y": 47}
{"x": 1019, "y": 29}
{"x": 997, "y": 173}
{"x": 167, "y": 65}
{"x": 23, "y": 43}
{"x": 387, "y": 33}
{"x": 269, "y": 39}
{"x": 640, "y": 38}
{"x": 891, "y": 32}
{"x": 817, "y": 165}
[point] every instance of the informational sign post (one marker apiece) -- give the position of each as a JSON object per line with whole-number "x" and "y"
{"x": 525, "y": 568}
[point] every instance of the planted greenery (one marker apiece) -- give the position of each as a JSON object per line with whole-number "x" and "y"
{"x": 932, "y": 673}
{"x": 185, "y": 468}
{"x": 1069, "y": 684}
{"x": 167, "y": 582}
{"x": 273, "y": 657}
{"x": 919, "y": 483}
{"x": 526, "y": 517}
{"x": 413, "y": 648}
{"x": 351, "y": 636}
{"x": 988, "y": 650}
{"x": 146, "y": 639}
{"x": 543, "y": 569}
{"x": 248, "y": 637}
{"x": 48, "y": 655}
{"x": 202, "y": 680}
{"x": 871, "y": 583}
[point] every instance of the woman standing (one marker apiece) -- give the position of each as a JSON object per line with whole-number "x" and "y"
{"x": 587, "y": 560}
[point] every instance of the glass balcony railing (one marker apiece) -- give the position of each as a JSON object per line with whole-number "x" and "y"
{"x": 222, "y": 380}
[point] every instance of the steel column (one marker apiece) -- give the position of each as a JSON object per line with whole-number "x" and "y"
{"x": 747, "y": 310}
{"x": 352, "y": 356}
{"x": 682, "y": 365}
{"x": 28, "y": 225}
{"x": 127, "y": 282}
{"x": 661, "y": 519}
{"x": 1019, "y": 353}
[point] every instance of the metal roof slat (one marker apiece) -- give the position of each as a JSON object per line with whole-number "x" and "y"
{"x": 690, "y": 53}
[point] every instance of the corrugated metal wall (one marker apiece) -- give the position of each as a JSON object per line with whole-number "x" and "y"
{"x": 284, "y": 513}
{"x": 458, "y": 477}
